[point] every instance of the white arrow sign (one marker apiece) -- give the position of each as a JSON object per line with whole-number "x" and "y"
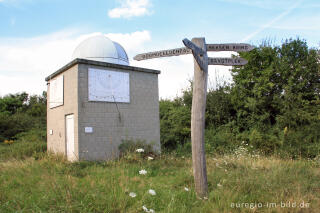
{"x": 241, "y": 47}
{"x": 227, "y": 61}
{"x": 163, "y": 53}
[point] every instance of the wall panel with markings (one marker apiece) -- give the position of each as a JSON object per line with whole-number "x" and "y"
{"x": 56, "y": 92}
{"x": 108, "y": 86}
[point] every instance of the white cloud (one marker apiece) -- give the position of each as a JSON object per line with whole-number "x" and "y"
{"x": 131, "y": 8}
{"x": 25, "y": 62}
{"x": 131, "y": 42}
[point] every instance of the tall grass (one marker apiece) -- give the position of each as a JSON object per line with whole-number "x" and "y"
{"x": 21, "y": 150}
{"x": 51, "y": 184}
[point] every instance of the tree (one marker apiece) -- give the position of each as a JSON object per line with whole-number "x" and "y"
{"x": 276, "y": 96}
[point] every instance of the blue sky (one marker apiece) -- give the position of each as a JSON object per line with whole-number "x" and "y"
{"x": 37, "y": 37}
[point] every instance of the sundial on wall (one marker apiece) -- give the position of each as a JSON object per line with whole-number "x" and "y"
{"x": 108, "y": 86}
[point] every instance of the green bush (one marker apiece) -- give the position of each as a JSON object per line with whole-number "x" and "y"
{"x": 33, "y": 135}
{"x": 303, "y": 142}
{"x": 21, "y": 150}
{"x": 221, "y": 140}
{"x": 174, "y": 123}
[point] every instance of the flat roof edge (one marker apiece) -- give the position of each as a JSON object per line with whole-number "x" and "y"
{"x": 99, "y": 63}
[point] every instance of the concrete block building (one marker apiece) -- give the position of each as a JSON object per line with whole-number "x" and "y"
{"x": 97, "y": 101}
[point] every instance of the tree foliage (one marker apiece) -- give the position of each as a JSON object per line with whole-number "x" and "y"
{"x": 276, "y": 97}
{"x": 20, "y": 113}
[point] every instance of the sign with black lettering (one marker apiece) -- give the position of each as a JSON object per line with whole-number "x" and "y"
{"x": 163, "y": 53}
{"x": 227, "y": 61}
{"x": 240, "y": 47}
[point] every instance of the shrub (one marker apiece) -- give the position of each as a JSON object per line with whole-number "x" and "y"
{"x": 27, "y": 144}
{"x": 33, "y": 135}
{"x": 129, "y": 149}
{"x": 21, "y": 150}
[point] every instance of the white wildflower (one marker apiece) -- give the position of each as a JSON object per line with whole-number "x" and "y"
{"x": 140, "y": 150}
{"x": 132, "y": 194}
{"x": 219, "y": 185}
{"x": 148, "y": 210}
{"x": 152, "y": 192}
{"x": 142, "y": 172}
{"x": 150, "y": 158}
{"x": 186, "y": 189}
{"x": 145, "y": 209}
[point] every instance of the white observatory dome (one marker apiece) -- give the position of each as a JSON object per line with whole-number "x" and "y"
{"x": 101, "y": 48}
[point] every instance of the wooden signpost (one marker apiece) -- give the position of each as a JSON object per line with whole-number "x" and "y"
{"x": 199, "y": 48}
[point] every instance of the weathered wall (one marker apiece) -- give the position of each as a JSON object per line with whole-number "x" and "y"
{"x": 139, "y": 118}
{"x": 56, "y": 116}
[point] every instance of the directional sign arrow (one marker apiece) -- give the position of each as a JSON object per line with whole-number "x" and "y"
{"x": 227, "y": 61}
{"x": 163, "y": 53}
{"x": 240, "y": 47}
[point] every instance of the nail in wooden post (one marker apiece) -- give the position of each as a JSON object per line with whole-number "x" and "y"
{"x": 198, "y": 121}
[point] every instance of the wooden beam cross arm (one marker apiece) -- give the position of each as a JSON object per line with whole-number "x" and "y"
{"x": 198, "y": 53}
{"x": 197, "y": 50}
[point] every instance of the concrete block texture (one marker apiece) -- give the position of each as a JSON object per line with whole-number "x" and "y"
{"x": 114, "y": 122}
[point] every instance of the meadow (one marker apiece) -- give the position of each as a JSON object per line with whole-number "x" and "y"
{"x": 238, "y": 182}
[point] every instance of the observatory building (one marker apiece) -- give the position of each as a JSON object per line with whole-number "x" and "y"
{"x": 97, "y": 101}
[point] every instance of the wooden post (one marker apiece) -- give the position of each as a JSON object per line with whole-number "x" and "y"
{"x": 198, "y": 121}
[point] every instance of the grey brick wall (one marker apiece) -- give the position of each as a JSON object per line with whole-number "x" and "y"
{"x": 139, "y": 118}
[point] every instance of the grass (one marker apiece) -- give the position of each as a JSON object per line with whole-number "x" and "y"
{"x": 51, "y": 184}
{"x": 20, "y": 150}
